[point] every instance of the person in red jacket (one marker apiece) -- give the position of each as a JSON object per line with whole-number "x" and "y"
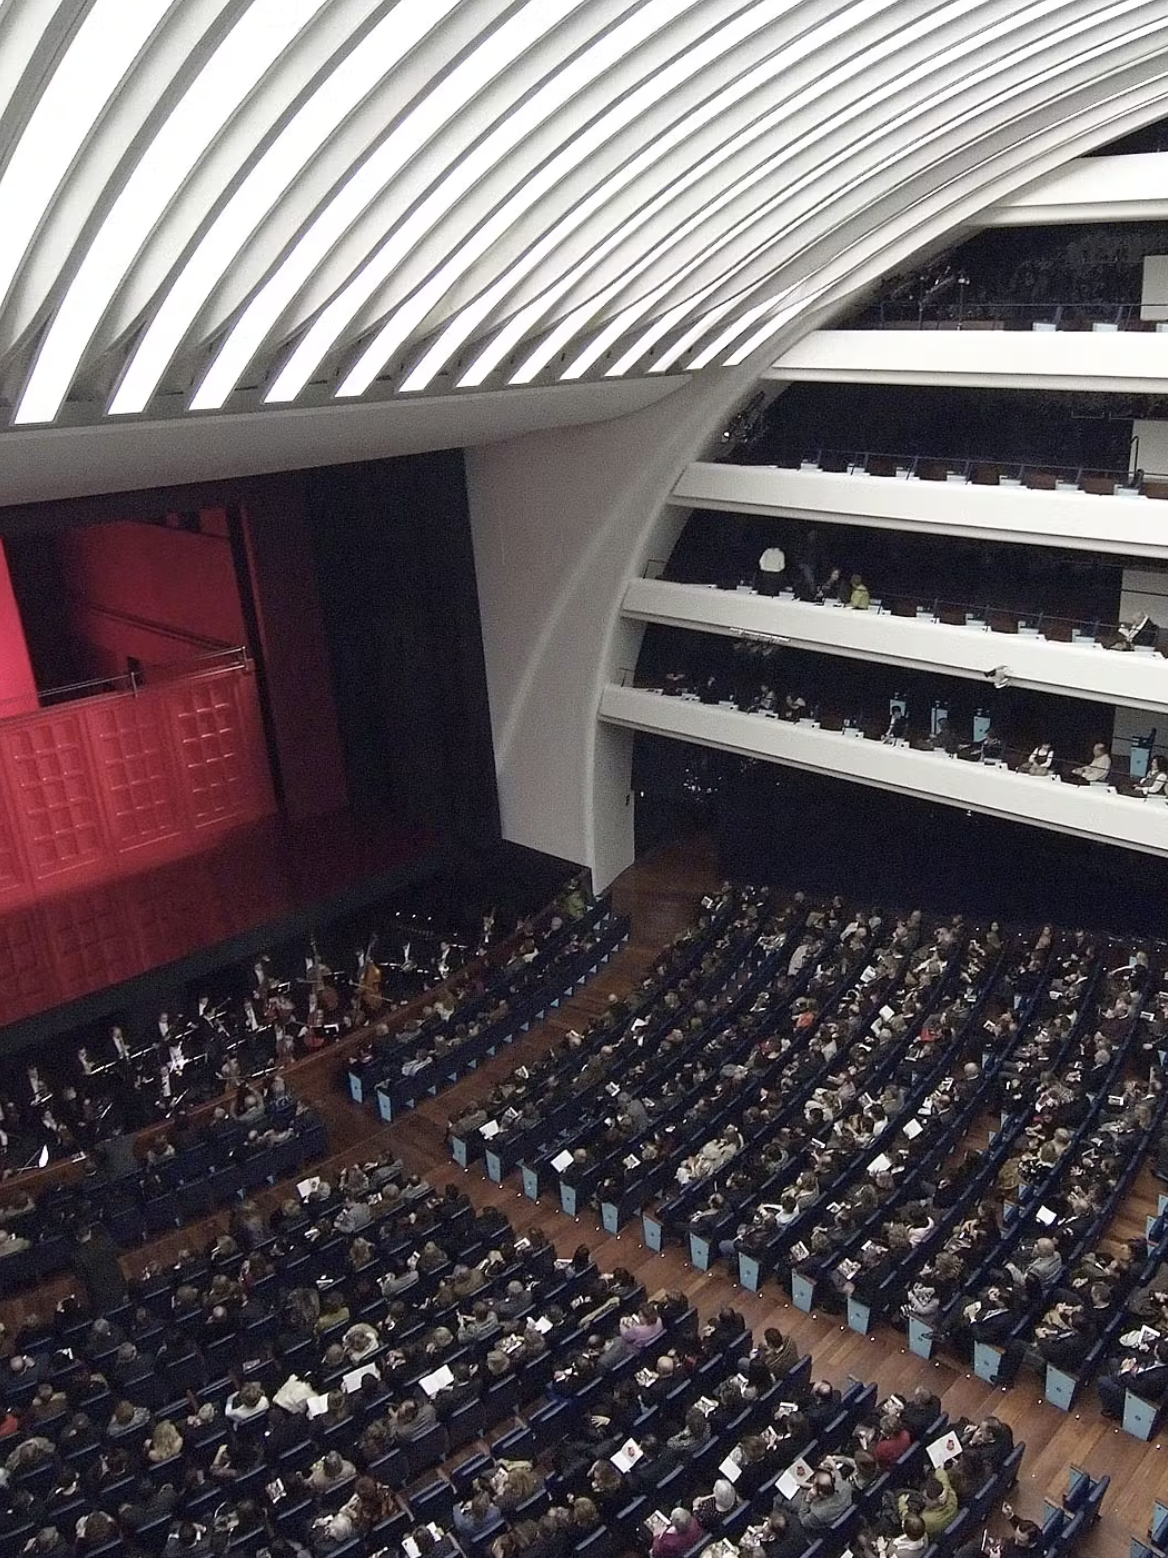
{"x": 892, "y": 1440}
{"x": 678, "y": 1536}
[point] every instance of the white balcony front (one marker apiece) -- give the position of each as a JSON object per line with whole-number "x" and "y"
{"x": 1130, "y": 188}
{"x": 1086, "y": 811}
{"x": 1136, "y": 680}
{"x": 1130, "y": 526}
{"x": 1116, "y": 361}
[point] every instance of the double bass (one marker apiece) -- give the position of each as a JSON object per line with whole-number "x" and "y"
{"x": 323, "y": 990}
{"x": 369, "y": 996}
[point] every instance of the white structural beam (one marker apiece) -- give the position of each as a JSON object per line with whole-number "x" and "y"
{"x": 1041, "y": 664}
{"x": 1083, "y": 810}
{"x": 1116, "y": 361}
{"x": 38, "y": 464}
{"x": 1134, "y": 526}
{"x": 1093, "y": 189}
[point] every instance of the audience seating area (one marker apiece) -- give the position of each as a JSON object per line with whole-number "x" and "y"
{"x": 264, "y": 1137}
{"x": 433, "y": 1383}
{"x": 894, "y": 1120}
{"x": 429, "y": 1054}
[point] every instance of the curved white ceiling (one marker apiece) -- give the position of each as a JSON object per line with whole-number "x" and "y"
{"x": 221, "y": 204}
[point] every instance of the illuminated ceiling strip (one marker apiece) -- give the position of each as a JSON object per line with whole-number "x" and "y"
{"x": 647, "y": 95}
{"x": 861, "y": 104}
{"x": 358, "y": 74}
{"x": 579, "y": 318}
{"x": 600, "y": 56}
{"x": 1048, "y": 72}
{"x": 104, "y": 47}
{"x": 695, "y": 332}
{"x": 627, "y": 317}
{"x": 442, "y": 104}
{"x": 527, "y": 318}
{"x": 226, "y": 81}
{"x": 1041, "y": 46}
{"x": 773, "y": 323}
{"x": 660, "y": 327}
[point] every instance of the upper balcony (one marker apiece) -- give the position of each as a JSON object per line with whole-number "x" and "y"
{"x": 1023, "y": 351}
{"x": 1046, "y": 654}
{"x": 982, "y": 502}
{"x": 1128, "y": 188}
{"x": 1087, "y": 811}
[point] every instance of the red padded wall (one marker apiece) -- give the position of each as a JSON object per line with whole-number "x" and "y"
{"x": 113, "y": 784}
{"x": 159, "y": 594}
{"x": 18, "y": 694}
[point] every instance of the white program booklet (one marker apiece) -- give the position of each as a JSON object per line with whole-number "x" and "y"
{"x": 945, "y": 1449}
{"x": 627, "y": 1456}
{"x": 561, "y": 1161}
{"x": 433, "y": 1383}
{"x": 797, "y": 1475}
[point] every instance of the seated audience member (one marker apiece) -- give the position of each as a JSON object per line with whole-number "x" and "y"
{"x": 1145, "y": 1375}
{"x": 859, "y": 596}
{"x": 1139, "y": 632}
{"x": 1155, "y": 781}
{"x": 776, "y": 1537}
{"x": 682, "y": 1532}
{"x": 826, "y": 1499}
{"x": 936, "y": 1504}
{"x": 1043, "y": 1266}
{"x": 1097, "y": 770}
{"x": 1040, "y": 762}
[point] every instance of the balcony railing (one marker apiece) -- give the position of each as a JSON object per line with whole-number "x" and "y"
{"x": 871, "y": 725}
{"x": 132, "y": 682}
{"x": 982, "y": 471}
{"x": 985, "y": 616}
{"x": 957, "y": 313}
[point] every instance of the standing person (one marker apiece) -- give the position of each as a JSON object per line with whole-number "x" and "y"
{"x": 771, "y": 567}
{"x": 95, "y": 1261}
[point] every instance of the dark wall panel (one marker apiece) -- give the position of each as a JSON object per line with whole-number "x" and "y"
{"x": 400, "y": 604}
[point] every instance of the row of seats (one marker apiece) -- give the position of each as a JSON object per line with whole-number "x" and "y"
{"x": 403, "y": 1067}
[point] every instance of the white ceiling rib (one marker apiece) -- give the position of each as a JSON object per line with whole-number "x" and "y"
{"x": 217, "y": 204}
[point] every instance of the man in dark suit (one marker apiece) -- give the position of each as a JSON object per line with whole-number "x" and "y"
{"x": 920, "y": 1411}
{"x": 1144, "y": 1375}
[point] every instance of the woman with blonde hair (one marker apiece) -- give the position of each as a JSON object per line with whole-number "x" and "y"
{"x": 165, "y": 1442}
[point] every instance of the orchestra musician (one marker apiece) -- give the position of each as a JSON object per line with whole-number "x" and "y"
{"x": 369, "y": 996}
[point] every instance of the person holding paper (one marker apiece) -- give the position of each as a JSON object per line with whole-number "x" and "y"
{"x": 682, "y": 1532}
{"x": 329, "y": 1473}
{"x": 776, "y": 1537}
{"x": 825, "y": 1499}
{"x": 1144, "y": 1374}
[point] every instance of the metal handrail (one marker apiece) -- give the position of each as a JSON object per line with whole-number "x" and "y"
{"x": 132, "y": 682}
{"x": 966, "y": 465}
{"x": 957, "y": 309}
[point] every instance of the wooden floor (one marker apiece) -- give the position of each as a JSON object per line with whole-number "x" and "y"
{"x": 660, "y": 894}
